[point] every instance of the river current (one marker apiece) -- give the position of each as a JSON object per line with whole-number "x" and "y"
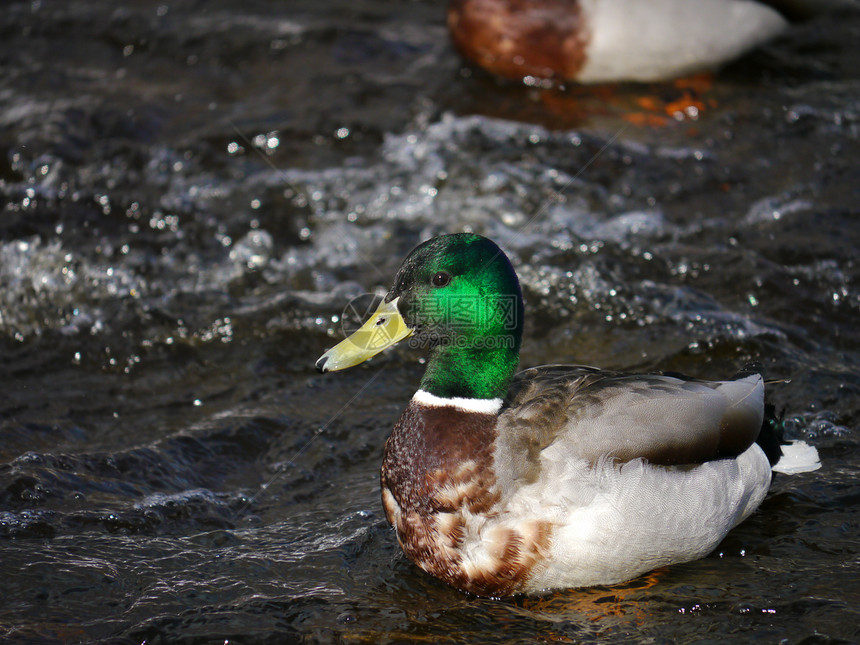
{"x": 193, "y": 194}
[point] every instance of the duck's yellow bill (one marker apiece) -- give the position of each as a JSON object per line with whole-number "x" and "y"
{"x": 384, "y": 328}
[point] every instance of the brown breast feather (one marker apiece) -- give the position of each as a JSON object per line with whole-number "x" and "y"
{"x": 437, "y": 476}
{"x": 518, "y": 38}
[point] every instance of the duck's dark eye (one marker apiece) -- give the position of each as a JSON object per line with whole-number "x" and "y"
{"x": 440, "y": 279}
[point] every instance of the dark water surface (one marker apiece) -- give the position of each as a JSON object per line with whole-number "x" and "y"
{"x": 192, "y": 192}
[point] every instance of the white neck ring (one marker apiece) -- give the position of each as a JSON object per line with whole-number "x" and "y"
{"x": 481, "y": 406}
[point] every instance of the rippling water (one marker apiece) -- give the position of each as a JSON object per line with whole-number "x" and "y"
{"x": 192, "y": 194}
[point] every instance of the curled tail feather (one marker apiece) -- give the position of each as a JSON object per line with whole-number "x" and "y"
{"x": 787, "y": 457}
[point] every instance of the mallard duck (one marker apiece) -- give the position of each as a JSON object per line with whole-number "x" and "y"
{"x": 599, "y": 41}
{"x": 560, "y": 476}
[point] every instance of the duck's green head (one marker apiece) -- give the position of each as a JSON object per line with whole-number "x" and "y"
{"x": 458, "y": 296}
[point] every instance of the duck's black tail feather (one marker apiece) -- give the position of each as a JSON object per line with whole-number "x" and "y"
{"x": 772, "y": 435}
{"x": 788, "y": 457}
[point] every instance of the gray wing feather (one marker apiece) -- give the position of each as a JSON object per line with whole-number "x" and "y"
{"x": 597, "y": 414}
